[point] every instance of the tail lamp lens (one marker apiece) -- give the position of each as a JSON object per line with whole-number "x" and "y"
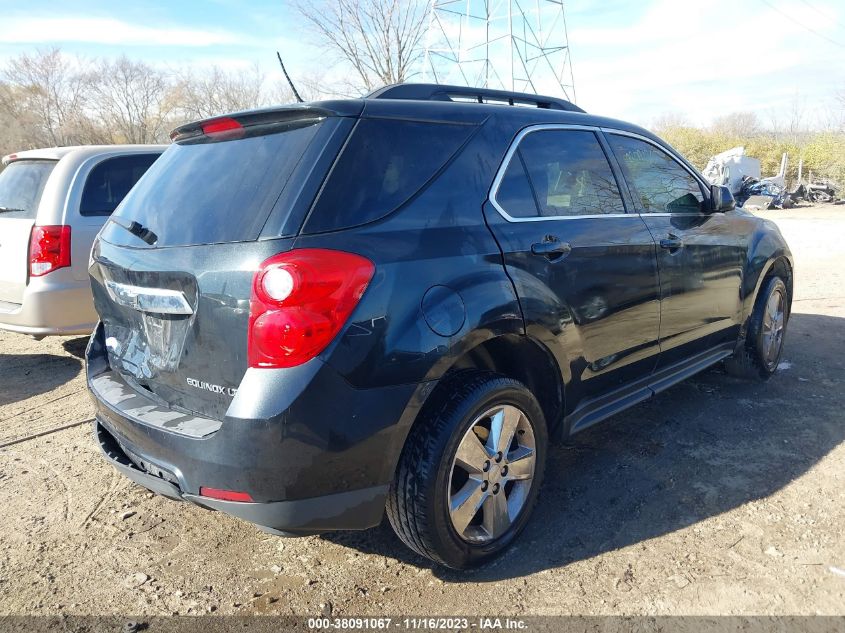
{"x": 49, "y": 249}
{"x": 300, "y": 301}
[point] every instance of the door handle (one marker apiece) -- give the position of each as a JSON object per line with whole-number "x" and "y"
{"x": 672, "y": 242}
{"x": 551, "y": 248}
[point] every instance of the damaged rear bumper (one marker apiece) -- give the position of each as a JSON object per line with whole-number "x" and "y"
{"x": 311, "y": 463}
{"x": 116, "y": 457}
{"x": 301, "y": 517}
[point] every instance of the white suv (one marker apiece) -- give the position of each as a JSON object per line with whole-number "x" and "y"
{"x": 52, "y": 204}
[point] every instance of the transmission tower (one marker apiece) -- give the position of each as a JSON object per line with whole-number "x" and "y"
{"x": 517, "y": 45}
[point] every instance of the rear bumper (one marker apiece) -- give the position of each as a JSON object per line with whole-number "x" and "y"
{"x": 357, "y": 509}
{"x": 116, "y": 457}
{"x": 55, "y": 306}
{"x": 313, "y": 452}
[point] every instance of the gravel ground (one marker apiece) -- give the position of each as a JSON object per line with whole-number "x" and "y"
{"x": 716, "y": 497}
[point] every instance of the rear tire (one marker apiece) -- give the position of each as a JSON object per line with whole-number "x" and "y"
{"x": 444, "y": 505}
{"x": 759, "y": 357}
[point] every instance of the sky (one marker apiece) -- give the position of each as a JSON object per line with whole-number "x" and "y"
{"x": 632, "y": 60}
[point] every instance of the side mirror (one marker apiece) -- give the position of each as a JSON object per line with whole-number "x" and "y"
{"x": 721, "y": 199}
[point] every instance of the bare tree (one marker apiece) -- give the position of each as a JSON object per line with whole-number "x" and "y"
{"x": 132, "y": 100}
{"x": 218, "y": 91}
{"x": 737, "y": 125}
{"x": 48, "y": 99}
{"x": 791, "y": 125}
{"x": 311, "y": 86}
{"x": 839, "y": 116}
{"x": 53, "y": 91}
{"x": 380, "y": 39}
{"x": 797, "y": 125}
{"x": 670, "y": 121}
{"x": 19, "y": 129}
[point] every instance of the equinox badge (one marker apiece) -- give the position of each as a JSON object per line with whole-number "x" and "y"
{"x": 207, "y": 386}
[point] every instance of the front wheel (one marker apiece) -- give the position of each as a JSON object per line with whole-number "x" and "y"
{"x": 470, "y": 471}
{"x": 763, "y": 347}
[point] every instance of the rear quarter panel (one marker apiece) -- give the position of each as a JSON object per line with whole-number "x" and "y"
{"x": 439, "y": 238}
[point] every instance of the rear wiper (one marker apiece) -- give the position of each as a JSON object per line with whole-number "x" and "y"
{"x": 139, "y": 230}
{"x": 11, "y": 210}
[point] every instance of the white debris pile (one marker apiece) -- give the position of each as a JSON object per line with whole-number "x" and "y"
{"x": 729, "y": 168}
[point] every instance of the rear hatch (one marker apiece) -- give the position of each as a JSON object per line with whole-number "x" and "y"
{"x": 22, "y": 183}
{"x": 173, "y": 267}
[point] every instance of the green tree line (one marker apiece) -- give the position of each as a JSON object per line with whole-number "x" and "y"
{"x": 823, "y": 151}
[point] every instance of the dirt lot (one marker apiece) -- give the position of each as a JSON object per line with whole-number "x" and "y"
{"x": 718, "y": 496}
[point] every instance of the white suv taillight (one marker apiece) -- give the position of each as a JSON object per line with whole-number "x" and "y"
{"x": 49, "y": 249}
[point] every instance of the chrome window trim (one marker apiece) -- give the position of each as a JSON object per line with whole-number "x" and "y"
{"x": 153, "y": 300}
{"x": 667, "y": 214}
{"x": 500, "y": 174}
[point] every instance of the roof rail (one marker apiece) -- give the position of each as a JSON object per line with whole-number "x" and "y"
{"x": 463, "y": 94}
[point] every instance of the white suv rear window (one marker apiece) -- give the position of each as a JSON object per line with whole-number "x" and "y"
{"x": 21, "y": 185}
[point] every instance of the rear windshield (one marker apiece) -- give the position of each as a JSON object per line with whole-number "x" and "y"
{"x": 210, "y": 191}
{"x": 21, "y": 185}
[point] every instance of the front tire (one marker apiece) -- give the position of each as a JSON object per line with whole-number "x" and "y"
{"x": 759, "y": 357}
{"x": 471, "y": 469}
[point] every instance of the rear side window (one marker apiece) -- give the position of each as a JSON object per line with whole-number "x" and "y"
{"x": 384, "y": 164}
{"x": 658, "y": 181}
{"x": 515, "y": 194}
{"x": 21, "y": 185}
{"x": 110, "y": 181}
{"x": 208, "y": 192}
{"x": 566, "y": 171}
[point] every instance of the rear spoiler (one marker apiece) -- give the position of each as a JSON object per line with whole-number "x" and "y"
{"x": 268, "y": 116}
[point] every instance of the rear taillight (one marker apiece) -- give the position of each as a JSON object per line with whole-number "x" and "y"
{"x": 49, "y": 249}
{"x": 300, "y": 301}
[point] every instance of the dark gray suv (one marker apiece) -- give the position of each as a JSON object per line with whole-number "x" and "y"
{"x": 312, "y": 314}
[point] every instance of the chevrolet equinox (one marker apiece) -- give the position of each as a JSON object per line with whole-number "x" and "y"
{"x": 314, "y": 315}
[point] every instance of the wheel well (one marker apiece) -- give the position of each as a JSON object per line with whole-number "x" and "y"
{"x": 782, "y": 269}
{"x": 522, "y": 359}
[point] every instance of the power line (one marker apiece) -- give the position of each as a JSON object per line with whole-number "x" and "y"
{"x": 823, "y": 14}
{"x": 803, "y": 26}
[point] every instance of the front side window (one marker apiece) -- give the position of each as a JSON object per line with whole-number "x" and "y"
{"x": 110, "y": 181}
{"x": 566, "y": 173}
{"x": 657, "y": 180}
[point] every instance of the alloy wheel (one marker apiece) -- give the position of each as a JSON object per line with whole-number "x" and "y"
{"x": 492, "y": 474}
{"x": 774, "y": 321}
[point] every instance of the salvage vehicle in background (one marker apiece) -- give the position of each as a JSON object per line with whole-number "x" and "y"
{"x": 53, "y": 202}
{"x": 313, "y": 314}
